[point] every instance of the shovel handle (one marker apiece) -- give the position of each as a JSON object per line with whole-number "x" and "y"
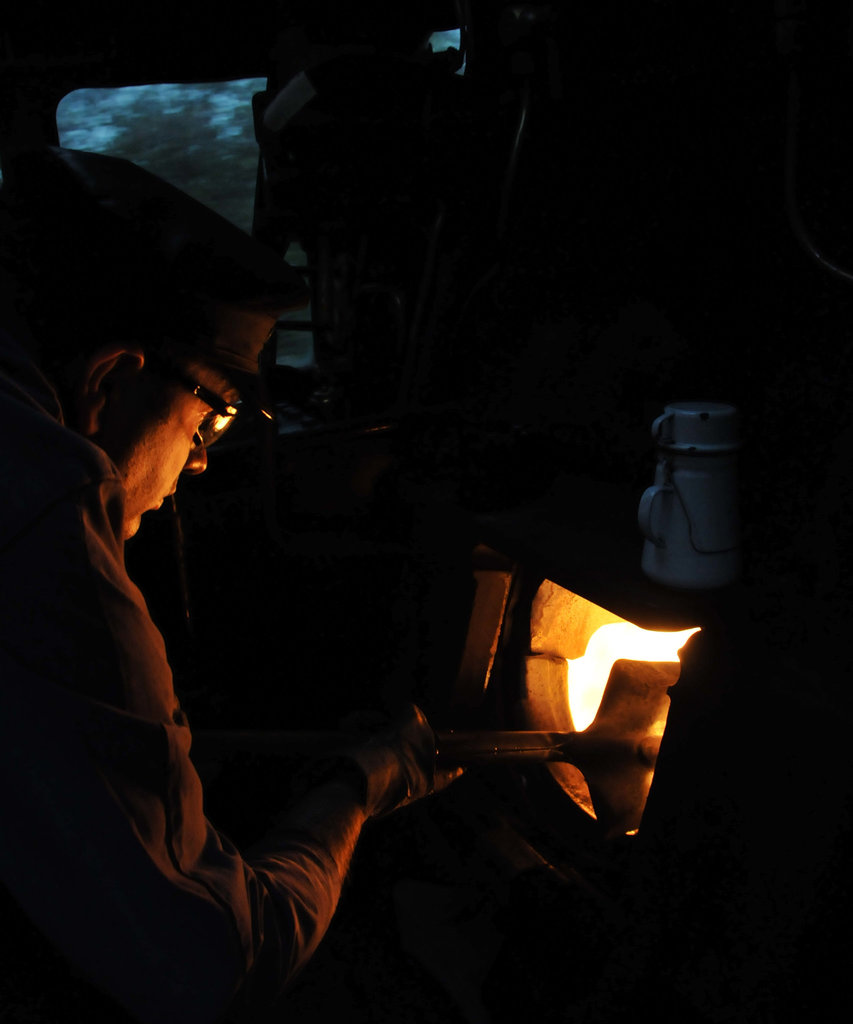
{"x": 481, "y": 747}
{"x": 452, "y": 748}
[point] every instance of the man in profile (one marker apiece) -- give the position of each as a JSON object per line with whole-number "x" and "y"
{"x": 132, "y": 322}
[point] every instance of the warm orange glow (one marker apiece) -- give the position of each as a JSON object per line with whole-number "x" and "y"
{"x": 588, "y": 674}
{"x": 588, "y": 669}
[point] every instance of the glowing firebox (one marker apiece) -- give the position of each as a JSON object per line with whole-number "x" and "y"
{"x": 615, "y": 641}
{"x": 590, "y": 671}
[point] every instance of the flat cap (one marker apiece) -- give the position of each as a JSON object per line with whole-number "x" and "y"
{"x": 105, "y": 232}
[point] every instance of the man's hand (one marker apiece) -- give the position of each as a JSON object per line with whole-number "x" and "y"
{"x": 398, "y": 764}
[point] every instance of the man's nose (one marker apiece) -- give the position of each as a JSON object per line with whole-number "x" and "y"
{"x": 197, "y": 460}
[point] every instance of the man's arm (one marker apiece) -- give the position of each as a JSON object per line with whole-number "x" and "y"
{"x": 307, "y": 855}
{"x": 113, "y": 860}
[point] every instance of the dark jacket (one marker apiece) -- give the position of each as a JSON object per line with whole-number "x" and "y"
{"x": 104, "y": 846}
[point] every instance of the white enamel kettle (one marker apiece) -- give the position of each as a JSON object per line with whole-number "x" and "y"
{"x": 690, "y": 517}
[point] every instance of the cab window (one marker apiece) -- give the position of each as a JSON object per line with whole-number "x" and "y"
{"x": 198, "y": 136}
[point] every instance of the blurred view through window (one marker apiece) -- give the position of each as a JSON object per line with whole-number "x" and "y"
{"x": 198, "y": 136}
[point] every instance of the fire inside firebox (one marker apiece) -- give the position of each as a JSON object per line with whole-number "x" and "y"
{"x": 616, "y": 641}
{"x": 592, "y": 673}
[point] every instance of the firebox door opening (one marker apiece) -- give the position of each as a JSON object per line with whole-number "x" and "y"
{"x": 590, "y": 672}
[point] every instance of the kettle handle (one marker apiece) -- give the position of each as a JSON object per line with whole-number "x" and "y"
{"x": 658, "y": 426}
{"x": 646, "y": 511}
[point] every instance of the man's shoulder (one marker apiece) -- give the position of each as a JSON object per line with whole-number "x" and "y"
{"x": 41, "y": 462}
{"x": 69, "y": 611}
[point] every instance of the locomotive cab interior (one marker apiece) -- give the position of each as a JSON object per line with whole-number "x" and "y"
{"x": 525, "y": 228}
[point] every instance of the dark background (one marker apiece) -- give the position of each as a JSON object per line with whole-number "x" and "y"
{"x": 637, "y": 246}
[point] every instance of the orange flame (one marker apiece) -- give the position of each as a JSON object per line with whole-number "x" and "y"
{"x": 588, "y": 674}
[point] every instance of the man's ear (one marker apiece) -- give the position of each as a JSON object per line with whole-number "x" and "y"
{"x": 104, "y": 372}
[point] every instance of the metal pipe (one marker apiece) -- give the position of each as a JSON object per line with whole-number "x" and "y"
{"x": 616, "y": 767}
{"x": 512, "y": 162}
{"x": 795, "y": 217}
{"x": 452, "y": 748}
{"x": 414, "y": 356}
{"x": 212, "y": 744}
{"x": 483, "y": 747}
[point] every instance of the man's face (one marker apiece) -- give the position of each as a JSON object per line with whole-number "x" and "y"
{"x": 149, "y": 428}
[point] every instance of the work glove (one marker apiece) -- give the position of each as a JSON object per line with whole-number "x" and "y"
{"x": 396, "y": 766}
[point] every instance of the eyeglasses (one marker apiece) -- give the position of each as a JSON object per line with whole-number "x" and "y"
{"x": 222, "y": 413}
